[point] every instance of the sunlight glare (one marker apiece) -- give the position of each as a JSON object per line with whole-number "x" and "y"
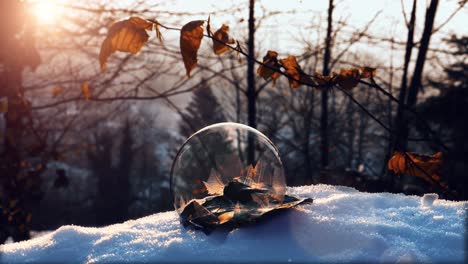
{"x": 45, "y": 11}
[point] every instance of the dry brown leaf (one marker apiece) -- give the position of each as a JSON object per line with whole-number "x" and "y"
{"x": 291, "y": 66}
{"x": 348, "y": 78}
{"x": 324, "y": 81}
{"x": 190, "y": 40}
{"x": 270, "y": 59}
{"x": 56, "y": 91}
{"x": 85, "y": 90}
{"x": 226, "y": 217}
{"x": 422, "y": 166}
{"x": 214, "y": 185}
{"x": 367, "y": 72}
{"x": 220, "y": 39}
{"x": 294, "y": 70}
{"x": 128, "y": 36}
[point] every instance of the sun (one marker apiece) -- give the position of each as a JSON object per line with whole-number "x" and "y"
{"x": 45, "y": 11}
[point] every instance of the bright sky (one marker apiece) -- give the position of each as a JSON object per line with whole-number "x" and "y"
{"x": 288, "y": 32}
{"x": 282, "y": 27}
{"x": 357, "y": 12}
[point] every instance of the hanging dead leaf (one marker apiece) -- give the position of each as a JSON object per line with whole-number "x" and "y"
{"x": 128, "y": 36}
{"x": 426, "y": 167}
{"x": 294, "y": 70}
{"x": 348, "y": 78}
{"x": 56, "y": 91}
{"x": 367, "y": 72}
{"x": 190, "y": 40}
{"x": 271, "y": 60}
{"x": 85, "y": 90}
{"x": 324, "y": 82}
{"x": 220, "y": 39}
{"x": 291, "y": 66}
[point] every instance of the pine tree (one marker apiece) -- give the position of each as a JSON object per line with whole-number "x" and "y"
{"x": 456, "y": 73}
{"x": 448, "y": 111}
{"x": 210, "y": 150}
{"x": 203, "y": 110}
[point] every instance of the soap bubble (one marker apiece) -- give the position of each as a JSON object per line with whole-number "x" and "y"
{"x": 224, "y": 153}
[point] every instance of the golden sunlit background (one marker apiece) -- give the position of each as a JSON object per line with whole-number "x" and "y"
{"x": 47, "y": 12}
{"x": 90, "y": 147}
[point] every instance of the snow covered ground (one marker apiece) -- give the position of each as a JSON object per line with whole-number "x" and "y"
{"x": 342, "y": 225}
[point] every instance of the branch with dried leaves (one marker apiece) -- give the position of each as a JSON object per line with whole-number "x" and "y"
{"x": 131, "y": 35}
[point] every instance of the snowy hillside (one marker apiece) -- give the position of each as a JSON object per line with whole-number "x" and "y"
{"x": 341, "y": 225}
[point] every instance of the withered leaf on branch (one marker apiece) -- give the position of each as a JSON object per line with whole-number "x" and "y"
{"x": 56, "y": 91}
{"x": 270, "y": 59}
{"x": 426, "y": 167}
{"x": 128, "y": 36}
{"x": 294, "y": 70}
{"x": 367, "y": 72}
{"x": 348, "y": 78}
{"x": 85, "y": 90}
{"x": 324, "y": 81}
{"x": 220, "y": 39}
{"x": 190, "y": 40}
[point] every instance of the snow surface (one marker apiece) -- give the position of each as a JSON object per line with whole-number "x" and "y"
{"x": 342, "y": 225}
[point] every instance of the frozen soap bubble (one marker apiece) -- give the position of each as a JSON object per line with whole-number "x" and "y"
{"x": 221, "y": 160}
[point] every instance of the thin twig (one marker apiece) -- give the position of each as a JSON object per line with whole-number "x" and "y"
{"x": 365, "y": 110}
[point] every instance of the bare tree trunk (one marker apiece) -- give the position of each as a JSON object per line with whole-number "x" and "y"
{"x": 350, "y": 133}
{"x": 398, "y": 144}
{"x": 363, "y": 124}
{"x": 388, "y": 153}
{"x": 307, "y": 131}
{"x": 326, "y": 71}
{"x": 16, "y": 122}
{"x": 415, "y": 84}
{"x": 251, "y": 93}
{"x": 238, "y": 120}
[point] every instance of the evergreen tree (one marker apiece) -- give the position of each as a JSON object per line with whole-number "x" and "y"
{"x": 212, "y": 149}
{"x": 456, "y": 73}
{"x": 203, "y": 110}
{"x": 448, "y": 111}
